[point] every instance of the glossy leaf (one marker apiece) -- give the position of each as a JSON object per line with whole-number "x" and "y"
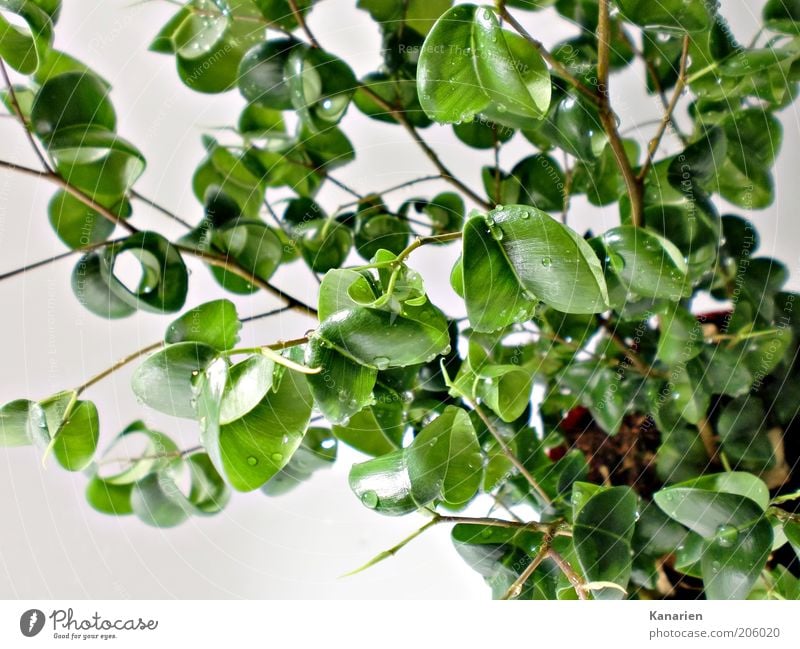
{"x": 468, "y": 64}
{"x": 602, "y": 534}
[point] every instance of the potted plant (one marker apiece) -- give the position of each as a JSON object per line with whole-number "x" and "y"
{"x": 629, "y": 444}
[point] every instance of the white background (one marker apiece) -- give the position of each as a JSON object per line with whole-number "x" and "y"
{"x": 52, "y": 545}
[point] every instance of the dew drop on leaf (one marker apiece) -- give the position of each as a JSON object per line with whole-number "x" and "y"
{"x": 370, "y": 499}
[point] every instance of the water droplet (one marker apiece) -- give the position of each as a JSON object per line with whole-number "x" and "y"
{"x": 547, "y": 262}
{"x": 381, "y": 362}
{"x": 195, "y": 372}
{"x": 276, "y": 457}
{"x": 252, "y": 460}
{"x": 432, "y": 443}
{"x": 726, "y": 535}
{"x": 501, "y": 108}
{"x": 616, "y": 261}
{"x": 498, "y": 207}
{"x": 370, "y": 499}
{"x": 525, "y": 214}
{"x": 486, "y": 532}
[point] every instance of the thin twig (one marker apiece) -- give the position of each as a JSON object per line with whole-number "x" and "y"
{"x": 12, "y": 95}
{"x": 119, "y": 364}
{"x": 160, "y": 208}
{"x": 680, "y": 84}
{"x": 511, "y": 455}
{"x": 516, "y": 588}
{"x": 560, "y": 69}
{"x": 609, "y": 119}
{"x": 63, "y": 255}
{"x": 574, "y": 578}
{"x": 223, "y": 262}
{"x": 298, "y": 16}
{"x": 444, "y": 172}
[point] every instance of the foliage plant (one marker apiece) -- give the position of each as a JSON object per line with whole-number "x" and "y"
{"x": 659, "y": 457}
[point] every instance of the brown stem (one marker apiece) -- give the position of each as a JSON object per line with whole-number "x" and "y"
{"x": 119, "y": 364}
{"x": 12, "y": 95}
{"x": 298, "y": 16}
{"x": 609, "y": 120}
{"x": 160, "y": 208}
{"x": 426, "y": 149}
{"x": 516, "y": 588}
{"x": 63, "y": 255}
{"x": 574, "y": 578}
{"x": 668, "y": 112}
{"x": 560, "y": 69}
{"x": 222, "y": 262}
{"x": 511, "y": 455}
{"x": 708, "y": 438}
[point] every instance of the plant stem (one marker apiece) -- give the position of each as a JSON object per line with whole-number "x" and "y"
{"x": 301, "y": 21}
{"x": 265, "y": 314}
{"x": 680, "y": 84}
{"x": 708, "y": 438}
{"x": 147, "y": 201}
{"x": 516, "y": 588}
{"x": 12, "y": 95}
{"x": 394, "y": 549}
{"x": 119, "y": 364}
{"x": 222, "y": 262}
{"x": 393, "y": 188}
{"x": 574, "y": 578}
{"x": 63, "y": 255}
{"x": 608, "y": 118}
{"x": 53, "y": 177}
{"x": 510, "y": 454}
{"x": 444, "y": 172}
{"x": 560, "y": 69}
{"x": 281, "y": 344}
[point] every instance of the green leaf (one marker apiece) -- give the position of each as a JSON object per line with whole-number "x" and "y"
{"x": 325, "y": 244}
{"x": 164, "y": 279}
{"x": 792, "y": 532}
{"x": 377, "y": 429}
{"x": 445, "y": 459}
{"x": 381, "y": 232}
{"x": 680, "y": 15}
{"x": 782, "y": 16}
{"x": 96, "y": 161}
{"x": 506, "y": 389}
{"x": 247, "y": 384}
{"x": 74, "y": 429}
{"x": 742, "y": 430}
{"x": 469, "y": 64}
{"x": 420, "y": 15}
{"x": 25, "y": 49}
{"x": 251, "y": 450}
{"x": 737, "y": 539}
{"x": 254, "y": 246}
{"x": 74, "y": 100}
{"x": 135, "y": 453}
{"x": 77, "y": 224}
{"x": 23, "y": 422}
{"x": 109, "y": 498}
{"x": 383, "y": 339}
{"x": 518, "y": 253}
{"x": 343, "y": 387}
{"x": 166, "y": 381}
{"x": 602, "y": 535}
{"x": 317, "y": 451}
{"x": 320, "y": 86}
{"x": 215, "y": 324}
{"x": 155, "y": 501}
{"x": 262, "y": 78}
{"x": 443, "y": 462}
{"x": 645, "y": 263}
{"x": 541, "y": 183}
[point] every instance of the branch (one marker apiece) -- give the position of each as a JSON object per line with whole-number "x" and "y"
{"x": 516, "y": 588}
{"x": 50, "y": 260}
{"x": 680, "y": 84}
{"x": 560, "y": 69}
{"x": 160, "y": 208}
{"x": 574, "y": 578}
{"x": 119, "y": 364}
{"x": 12, "y": 95}
{"x": 222, "y": 262}
{"x": 393, "y": 188}
{"x": 298, "y": 16}
{"x": 445, "y": 173}
{"x": 510, "y": 454}
{"x": 608, "y": 118}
